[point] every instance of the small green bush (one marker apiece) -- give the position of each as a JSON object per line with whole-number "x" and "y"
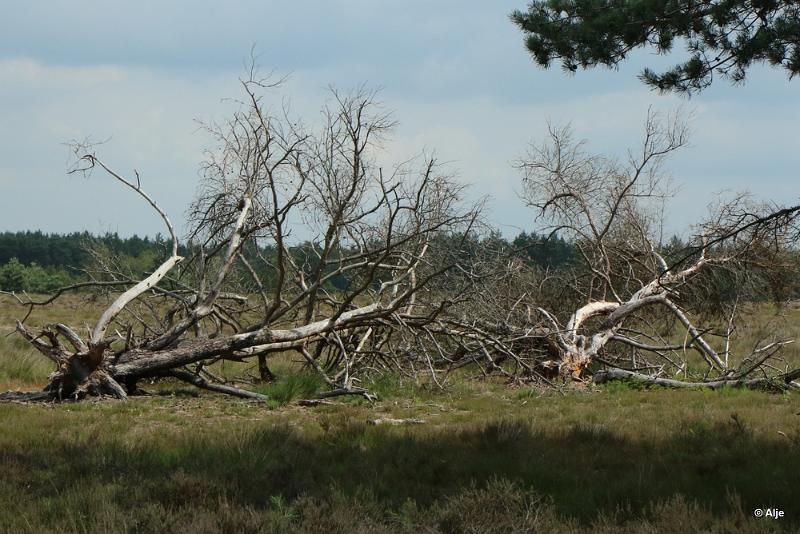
{"x": 15, "y": 276}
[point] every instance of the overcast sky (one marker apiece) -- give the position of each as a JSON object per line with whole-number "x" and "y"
{"x": 456, "y": 73}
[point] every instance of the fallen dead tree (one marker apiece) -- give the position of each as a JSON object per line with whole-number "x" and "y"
{"x": 608, "y": 375}
{"x": 627, "y": 306}
{"x": 246, "y": 290}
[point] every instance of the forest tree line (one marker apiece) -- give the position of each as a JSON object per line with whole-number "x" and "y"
{"x": 38, "y": 262}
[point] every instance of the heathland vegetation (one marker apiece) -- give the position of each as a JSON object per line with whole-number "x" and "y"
{"x": 489, "y": 457}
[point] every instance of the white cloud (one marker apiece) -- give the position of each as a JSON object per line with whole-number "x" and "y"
{"x": 477, "y": 110}
{"x": 31, "y": 73}
{"x": 145, "y": 115}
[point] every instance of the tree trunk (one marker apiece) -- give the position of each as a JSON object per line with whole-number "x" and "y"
{"x": 264, "y": 372}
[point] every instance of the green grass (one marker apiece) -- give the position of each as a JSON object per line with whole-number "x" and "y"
{"x": 21, "y": 366}
{"x": 487, "y": 461}
{"x": 291, "y": 385}
{"x": 489, "y": 458}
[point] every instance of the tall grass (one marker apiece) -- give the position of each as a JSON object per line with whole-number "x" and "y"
{"x": 291, "y": 385}
{"x": 21, "y": 365}
{"x": 656, "y": 461}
